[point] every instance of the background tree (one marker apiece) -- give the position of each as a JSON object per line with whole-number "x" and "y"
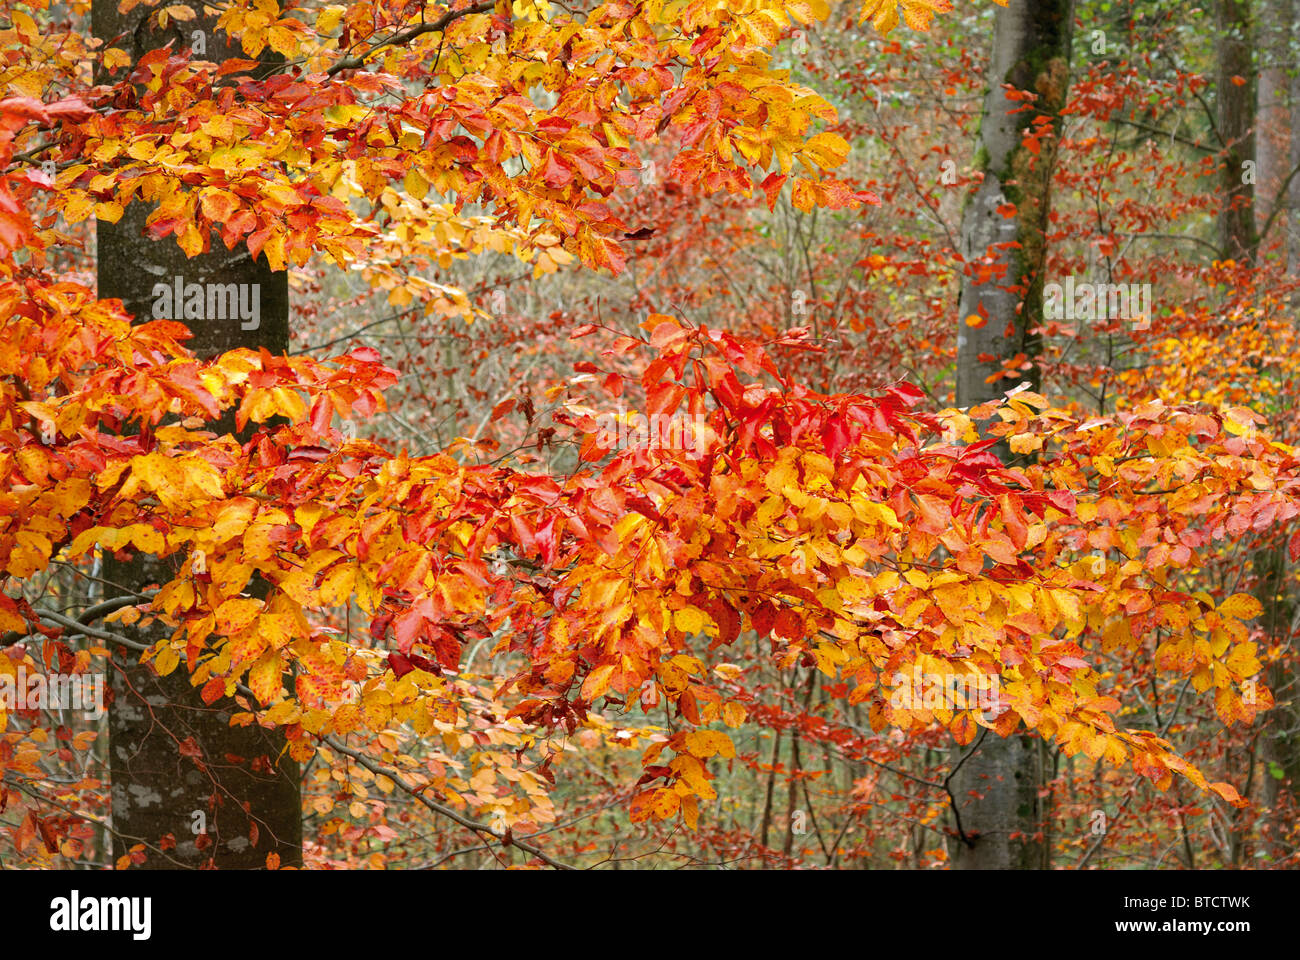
{"x": 227, "y": 795}
{"x": 998, "y": 784}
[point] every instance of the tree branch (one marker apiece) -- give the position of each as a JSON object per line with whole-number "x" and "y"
{"x": 439, "y": 808}
{"x": 409, "y": 34}
{"x": 360, "y": 758}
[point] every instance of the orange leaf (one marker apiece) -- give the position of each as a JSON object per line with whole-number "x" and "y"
{"x": 213, "y": 690}
{"x": 1228, "y": 792}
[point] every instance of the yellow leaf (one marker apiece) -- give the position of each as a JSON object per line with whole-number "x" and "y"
{"x": 827, "y": 150}
{"x": 346, "y": 718}
{"x": 166, "y": 660}
{"x": 24, "y": 24}
{"x": 377, "y": 708}
{"x": 1241, "y": 606}
{"x": 803, "y": 195}
{"x": 691, "y": 812}
{"x": 249, "y": 645}
{"x": 234, "y": 615}
{"x": 233, "y": 518}
{"x": 665, "y": 803}
{"x": 77, "y": 207}
{"x": 1067, "y": 603}
{"x": 415, "y": 184}
{"x": 274, "y": 251}
{"x": 146, "y": 538}
{"x": 9, "y": 620}
{"x": 128, "y": 615}
{"x": 264, "y": 677}
{"x": 116, "y": 57}
{"x": 327, "y": 20}
{"x": 706, "y": 743}
{"x": 110, "y": 211}
{"x": 191, "y": 240}
{"x": 689, "y": 620}
{"x": 283, "y": 40}
{"x": 336, "y": 587}
{"x": 275, "y": 628}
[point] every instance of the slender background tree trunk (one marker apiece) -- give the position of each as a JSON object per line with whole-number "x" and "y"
{"x": 1235, "y": 119}
{"x": 1273, "y": 114}
{"x": 997, "y": 789}
{"x": 1293, "y": 195}
{"x": 1278, "y": 153}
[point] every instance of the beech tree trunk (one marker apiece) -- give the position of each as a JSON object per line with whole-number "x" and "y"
{"x": 1235, "y": 119}
{"x": 1273, "y": 113}
{"x": 226, "y": 796}
{"x": 1293, "y": 195}
{"x": 1277, "y": 146}
{"x": 996, "y": 789}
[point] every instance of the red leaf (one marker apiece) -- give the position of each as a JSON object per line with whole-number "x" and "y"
{"x": 772, "y": 187}
{"x": 73, "y": 109}
{"x": 663, "y": 398}
{"x": 556, "y": 174}
{"x": 835, "y": 435}
{"x": 399, "y": 664}
{"x": 762, "y": 618}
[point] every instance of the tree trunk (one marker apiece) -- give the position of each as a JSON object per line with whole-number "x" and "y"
{"x": 238, "y": 798}
{"x": 1277, "y": 145}
{"x": 766, "y": 828}
{"x": 1281, "y": 743}
{"x": 997, "y": 788}
{"x": 1273, "y": 112}
{"x": 1293, "y": 195}
{"x": 1235, "y": 119}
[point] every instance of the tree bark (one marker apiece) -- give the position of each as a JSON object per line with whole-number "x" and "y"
{"x": 1277, "y": 145}
{"x": 1293, "y": 196}
{"x": 1031, "y": 53}
{"x": 1281, "y": 743}
{"x": 997, "y": 788}
{"x": 1235, "y": 119}
{"x": 1273, "y": 112}
{"x": 242, "y": 786}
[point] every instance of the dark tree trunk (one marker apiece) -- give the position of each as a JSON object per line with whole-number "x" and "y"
{"x": 1235, "y": 119}
{"x": 997, "y": 788}
{"x": 242, "y": 786}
